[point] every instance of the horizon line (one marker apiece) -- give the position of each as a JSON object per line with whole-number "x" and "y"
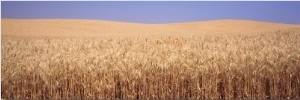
{"x": 178, "y": 22}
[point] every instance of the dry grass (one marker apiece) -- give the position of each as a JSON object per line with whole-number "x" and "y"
{"x": 225, "y": 66}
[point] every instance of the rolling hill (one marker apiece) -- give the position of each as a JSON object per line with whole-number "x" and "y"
{"x": 95, "y": 28}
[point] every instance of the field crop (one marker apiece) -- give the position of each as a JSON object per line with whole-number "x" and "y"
{"x": 259, "y": 66}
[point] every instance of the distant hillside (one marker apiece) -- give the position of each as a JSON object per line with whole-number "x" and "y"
{"x": 97, "y": 28}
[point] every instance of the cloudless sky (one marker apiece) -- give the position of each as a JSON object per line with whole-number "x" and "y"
{"x": 152, "y": 12}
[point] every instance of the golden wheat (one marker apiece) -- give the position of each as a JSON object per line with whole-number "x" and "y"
{"x": 207, "y": 67}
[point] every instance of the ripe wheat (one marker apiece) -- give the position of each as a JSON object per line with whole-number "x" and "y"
{"x": 225, "y": 66}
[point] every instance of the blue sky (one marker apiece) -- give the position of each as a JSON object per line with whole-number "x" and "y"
{"x": 153, "y": 12}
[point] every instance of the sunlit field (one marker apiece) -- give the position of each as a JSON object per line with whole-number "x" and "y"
{"x": 256, "y": 66}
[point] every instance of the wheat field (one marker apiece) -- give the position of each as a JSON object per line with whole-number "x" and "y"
{"x": 87, "y": 59}
{"x": 256, "y": 66}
